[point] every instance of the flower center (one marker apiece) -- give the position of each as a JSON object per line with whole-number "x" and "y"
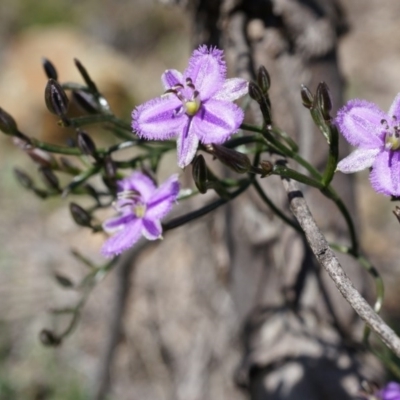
{"x": 392, "y": 136}
{"x": 188, "y": 95}
{"x": 139, "y": 210}
{"x": 132, "y": 199}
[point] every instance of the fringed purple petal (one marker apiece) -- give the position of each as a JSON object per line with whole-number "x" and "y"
{"x": 187, "y": 144}
{"x": 152, "y": 230}
{"x": 159, "y": 119}
{"x": 170, "y": 78}
{"x": 140, "y": 183}
{"x": 360, "y": 123}
{"x": 163, "y": 199}
{"x": 232, "y": 89}
{"x": 123, "y": 240}
{"x": 207, "y": 70}
{"x": 385, "y": 174}
{"x": 395, "y": 108}
{"x": 117, "y": 223}
{"x": 217, "y": 120}
{"x": 358, "y": 160}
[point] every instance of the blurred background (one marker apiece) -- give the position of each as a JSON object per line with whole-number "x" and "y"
{"x": 126, "y": 45}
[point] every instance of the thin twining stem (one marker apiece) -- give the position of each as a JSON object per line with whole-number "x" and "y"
{"x": 327, "y": 259}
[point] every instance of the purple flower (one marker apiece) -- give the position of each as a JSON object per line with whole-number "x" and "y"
{"x": 197, "y": 105}
{"x": 141, "y": 205}
{"x": 377, "y": 136}
{"x": 390, "y": 392}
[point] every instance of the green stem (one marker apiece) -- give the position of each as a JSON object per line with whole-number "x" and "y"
{"x": 289, "y": 173}
{"x": 331, "y": 194}
{"x": 92, "y": 119}
{"x": 176, "y": 222}
{"x": 53, "y": 148}
{"x": 327, "y": 191}
{"x": 275, "y": 209}
{"x": 270, "y": 139}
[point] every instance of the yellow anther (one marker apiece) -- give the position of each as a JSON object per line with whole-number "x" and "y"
{"x": 192, "y": 107}
{"x": 140, "y": 210}
{"x": 392, "y": 142}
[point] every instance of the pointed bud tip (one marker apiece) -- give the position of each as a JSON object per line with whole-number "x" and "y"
{"x": 49, "y": 69}
{"x": 306, "y": 96}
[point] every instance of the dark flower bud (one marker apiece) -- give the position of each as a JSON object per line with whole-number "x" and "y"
{"x": 263, "y": 101}
{"x": 90, "y": 84}
{"x": 238, "y": 162}
{"x": 255, "y": 92}
{"x": 7, "y": 123}
{"x": 56, "y": 98}
{"x": 324, "y": 100}
{"x": 49, "y": 69}
{"x": 306, "y": 97}
{"x": 86, "y": 144}
{"x": 49, "y": 178}
{"x": 199, "y": 173}
{"x": 24, "y": 179}
{"x": 80, "y": 215}
{"x": 110, "y": 168}
{"x": 263, "y": 79}
{"x": 396, "y": 212}
{"x": 63, "y": 281}
{"x": 266, "y": 168}
{"x": 48, "y": 338}
{"x": 85, "y": 101}
{"x": 42, "y": 158}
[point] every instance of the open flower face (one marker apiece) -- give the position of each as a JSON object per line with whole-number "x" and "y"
{"x": 377, "y": 136}
{"x": 141, "y": 206}
{"x": 196, "y": 106}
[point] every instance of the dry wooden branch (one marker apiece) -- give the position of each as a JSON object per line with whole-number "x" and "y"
{"x": 327, "y": 259}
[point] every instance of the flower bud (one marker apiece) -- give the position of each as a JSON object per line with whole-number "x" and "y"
{"x": 110, "y": 168}
{"x": 7, "y": 123}
{"x": 85, "y": 101}
{"x": 49, "y": 69}
{"x": 306, "y": 97}
{"x": 48, "y": 338}
{"x": 396, "y": 213}
{"x": 266, "y": 168}
{"x": 263, "y": 79}
{"x": 263, "y": 101}
{"x": 55, "y": 98}
{"x": 324, "y": 100}
{"x": 238, "y": 162}
{"x": 255, "y": 92}
{"x": 80, "y": 216}
{"x": 90, "y": 84}
{"x": 42, "y": 158}
{"x": 49, "y": 178}
{"x": 63, "y": 281}
{"x": 24, "y": 179}
{"x": 86, "y": 144}
{"x": 199, "y": 173}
